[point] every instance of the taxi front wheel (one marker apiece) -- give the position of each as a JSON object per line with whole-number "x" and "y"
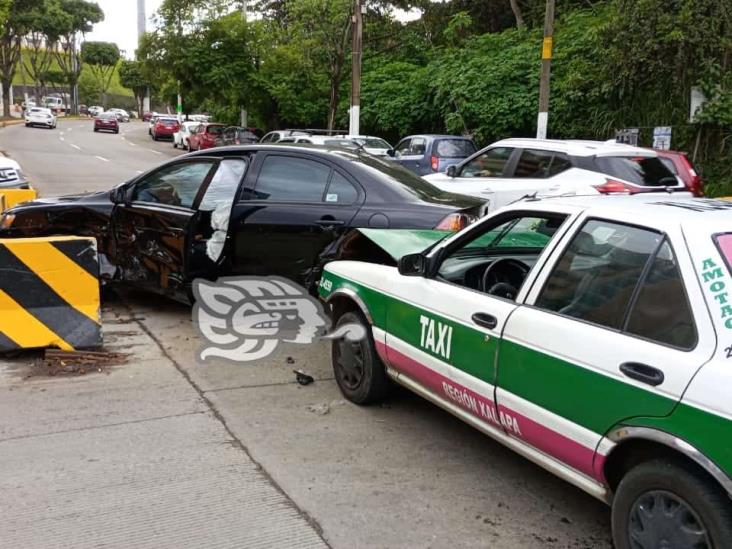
{"x": 358, "y": 370}
{"x": 663, "y": 503}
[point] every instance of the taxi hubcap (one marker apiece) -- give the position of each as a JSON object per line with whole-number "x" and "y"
{"x": 350, "y": 363}
{"x": 662, "y": 520}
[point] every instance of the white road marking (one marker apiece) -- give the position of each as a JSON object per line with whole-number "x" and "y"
{"x": 62, "y": 139}
{"x": 156, "y": 152}
{"x": 139, "y": 172}
{"x": 75, "y": 146}
{"x": 131, "y": 143}
{"x": 102, "y": 158}
{"x": 69, "y": 129}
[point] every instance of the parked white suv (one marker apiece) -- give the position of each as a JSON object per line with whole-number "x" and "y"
{"x": 511, "y": 169}
{"x": 40, "y": 116}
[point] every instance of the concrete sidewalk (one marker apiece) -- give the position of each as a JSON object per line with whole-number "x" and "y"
{"x": 131, "y": 457}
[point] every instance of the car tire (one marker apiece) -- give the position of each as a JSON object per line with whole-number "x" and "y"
{"x": 116, "y": 131}
{"x": 683, "y": 494}
{"x": 359, "y": 372}
{"x": 175, "y": 144}
{"x": 95, "y": 130}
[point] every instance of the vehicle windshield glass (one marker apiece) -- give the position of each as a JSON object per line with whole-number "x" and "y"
{"x": 454, "y": 148}
{"x": 647, "y": 171}
{"x": 215, "y": 130}
{"x": 372, "y": 142}
{"x": 524, "y": 232}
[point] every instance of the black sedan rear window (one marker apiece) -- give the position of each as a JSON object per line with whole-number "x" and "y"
{"x": 454, "y": 148}
{"x": 647, "y": 171}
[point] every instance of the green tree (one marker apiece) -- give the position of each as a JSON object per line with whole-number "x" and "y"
{"x": 132, "y": 76}
{"x": 47, "y": 22}
{"x": 83, "y": 16}
{"x": 15, "y": 25}
{"x": 102, "y": 58}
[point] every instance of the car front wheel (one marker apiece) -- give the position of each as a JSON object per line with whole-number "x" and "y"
{"x": 358, "y": 370}
{"x": 665, "y": 503}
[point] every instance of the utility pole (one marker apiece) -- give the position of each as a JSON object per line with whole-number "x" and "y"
{"x": 355, "y": 114}
{"x": 243, "y": 114}
{"x": 546, "y": 71}
{"x": 141, "y": 28}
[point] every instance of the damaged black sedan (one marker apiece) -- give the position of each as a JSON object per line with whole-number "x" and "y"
{"x": 249, "y": 210}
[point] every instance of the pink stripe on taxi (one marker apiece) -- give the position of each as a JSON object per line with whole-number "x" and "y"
{"x": 541, "y": 437}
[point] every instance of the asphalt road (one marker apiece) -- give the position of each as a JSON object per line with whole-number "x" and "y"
{"x": 74, "y": 159}
{"x": 401, "y": 475}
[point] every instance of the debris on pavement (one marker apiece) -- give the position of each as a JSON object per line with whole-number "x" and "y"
{"x": 57, "y": 362}
{"x": 319, "y": 409}
{"x": 303, "y": 378}
{"x": 324, "y": 407}
{"x": 290, "y": 360}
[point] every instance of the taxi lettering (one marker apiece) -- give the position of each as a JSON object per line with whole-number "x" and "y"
{"x": 435, "y": 337}
{"x": 712, "y": 276}
{"x": 481, "y": 408}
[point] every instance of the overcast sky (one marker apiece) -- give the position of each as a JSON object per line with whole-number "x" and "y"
{"x": 120, "y": 23}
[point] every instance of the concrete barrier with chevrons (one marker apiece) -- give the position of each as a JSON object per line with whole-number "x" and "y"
{"x": 49, "y": 293}
{"x": 11, "y": 197}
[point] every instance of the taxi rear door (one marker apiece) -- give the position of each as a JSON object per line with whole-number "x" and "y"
{"x": 614, "y": 327}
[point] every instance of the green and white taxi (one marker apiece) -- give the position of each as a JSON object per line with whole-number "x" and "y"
{"x": 591, "y": 335}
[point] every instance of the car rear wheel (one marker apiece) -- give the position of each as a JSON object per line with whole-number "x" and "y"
{"x": 663, "y": 503}
{"x": 358, "y": 370}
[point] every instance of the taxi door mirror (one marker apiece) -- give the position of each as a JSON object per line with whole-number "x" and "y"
{"x": 412, "y": 265}
{"x": 452, "y": 171}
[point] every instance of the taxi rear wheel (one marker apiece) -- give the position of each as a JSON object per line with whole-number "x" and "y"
{"x": 662, "y": 503}
{"x": 358, "y": 370}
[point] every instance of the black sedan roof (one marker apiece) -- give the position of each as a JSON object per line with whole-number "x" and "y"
{"x": 384, "y": 180}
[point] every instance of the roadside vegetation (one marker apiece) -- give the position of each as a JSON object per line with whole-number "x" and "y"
{"x": 464, "y": 66}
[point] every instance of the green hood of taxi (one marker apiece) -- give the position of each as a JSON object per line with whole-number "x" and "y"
{"x": 400, "y": 242}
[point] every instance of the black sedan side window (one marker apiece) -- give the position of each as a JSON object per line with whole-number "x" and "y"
{"x": 175, "y": 185}
{"x": 291, "y": 179}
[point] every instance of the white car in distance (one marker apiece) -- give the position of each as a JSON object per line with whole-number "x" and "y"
{"x": 182, "y": 136}
{"x": 40, "y": 116}
{"x": 511, "y": 169}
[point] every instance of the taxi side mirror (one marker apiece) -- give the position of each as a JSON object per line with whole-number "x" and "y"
{"x": 452, "y": 171}
{"x": 391, "y": 152}
{"x": 412, "y": 265}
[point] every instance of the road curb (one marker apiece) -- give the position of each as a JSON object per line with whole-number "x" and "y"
{"x": 4, "y": 123}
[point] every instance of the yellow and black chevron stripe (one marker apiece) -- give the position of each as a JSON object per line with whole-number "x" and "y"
{"x": 49, "y": 293}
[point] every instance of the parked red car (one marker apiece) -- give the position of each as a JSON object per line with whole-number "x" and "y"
{"x": 106, "y": 122}
{"x": 165, "y": 127}
{"x": 206, "y": 137}
{"x": 680, "y": 165}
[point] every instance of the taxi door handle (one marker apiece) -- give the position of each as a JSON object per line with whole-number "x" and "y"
{"x": 643, "y": 373}
{"x": 485, "y": 320}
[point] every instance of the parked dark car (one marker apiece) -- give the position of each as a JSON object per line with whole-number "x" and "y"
{"x": 236, "y": 135}
{"x": 206, "y": 137}
{"x": 106, "y": 122}
{"x": 680, "y": 165}
{"x": 288, "y": 205}
{"x": 426, "y": 154}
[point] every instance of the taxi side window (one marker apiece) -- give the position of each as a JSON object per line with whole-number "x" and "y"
{"x": 625, "y": 278}
{"x": 661, "y": 311}
{"x": 596, "y": 276}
